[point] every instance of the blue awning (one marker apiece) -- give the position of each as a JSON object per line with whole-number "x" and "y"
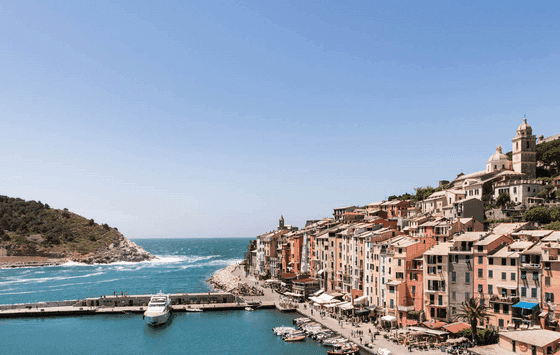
{"x": 526, "y": 305}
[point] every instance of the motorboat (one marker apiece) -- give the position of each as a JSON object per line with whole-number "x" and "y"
{"x": 295, "y": 337}
{"x": 159, "y": 310}
{"x": 193, "y": 310}
{"x": 249, "y": 309}
{"x": 344, "y": 350}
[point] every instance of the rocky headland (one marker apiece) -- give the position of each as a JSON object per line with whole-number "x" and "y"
{"x": 224, "y": 279}
{"x": 33, "y": 234}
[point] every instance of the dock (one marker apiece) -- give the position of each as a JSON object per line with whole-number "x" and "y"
{"x": 129, "y": 304}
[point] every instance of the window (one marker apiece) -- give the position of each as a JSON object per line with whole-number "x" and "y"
{"x": 467, "y": 277}
{"x": 549, "y": 297}
{"x": 523, "y": 275}
{"x": 490, "y": 289}
{"x": 506, "y": 308}
{"x": 453, "y": 276}
{"x": 496, "y": 308}
{"x": 399, "y": 262}
{"x": 501, "y": 323}
{"x": 480, "y": 260}
{"x": 490, "y": 274}
{"x": 467, "y": 296}
{"x": 440, "y": 300}
{"x": 523, "y": 291}
{"x": 432, "y": 299}
{"x": 454, "y": 296}
{"x": 480, "y": 273}
{"x": 547, "y": 281}
{"x": 535, "y": 275}
{"x": 480, "y": 249}
{"x": 533, "y": 292}
{"x": 504, "y": 261}
{"x": 413, "y": 290}
{"x": 504, "y": 276}
{"x": 547, "y": 265}
{"x": 512, "y": 262}
{"x": 479, "y": 288}
{"x": 490, "y": 261}
{"x": 391, "y": 303}
{"x": 513, "y": 293}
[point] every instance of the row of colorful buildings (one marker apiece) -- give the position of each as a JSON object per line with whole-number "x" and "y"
{"x": 402, "y": 259}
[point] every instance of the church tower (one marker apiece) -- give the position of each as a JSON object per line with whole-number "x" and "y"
{"x": 524, "y": 154}
{"x": 281, "y": 223}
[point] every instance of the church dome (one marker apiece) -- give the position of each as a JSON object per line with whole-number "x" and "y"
{"x": 524, "y": 128}
{"x": 498, "y": 156}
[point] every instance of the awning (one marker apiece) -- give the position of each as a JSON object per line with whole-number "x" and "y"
{"x": 292, "y": 294}
{"x": 333, "y": 304}
{"x": 362, "y": 311}
{"x": 393, "y": 283}
{"x": 318, "y": 292}
{"x": 320, "y": 272}
{"x": 507, "y": 287}
{"x": 389, "y": 318}
{"x": 526, "y": 305}
{"x": 360, "y": 300}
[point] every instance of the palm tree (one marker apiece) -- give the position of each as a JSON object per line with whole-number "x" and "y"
{"x": 472, "y": 311}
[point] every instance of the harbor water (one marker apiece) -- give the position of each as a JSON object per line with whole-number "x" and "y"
{"x": 184, "y": 265}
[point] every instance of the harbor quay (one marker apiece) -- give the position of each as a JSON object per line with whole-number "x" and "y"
{"x": 111, "y": 304}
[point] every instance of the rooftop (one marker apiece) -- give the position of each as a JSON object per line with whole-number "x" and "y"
{"x": 538, "y": 338}
{"x": 439, "y": 249}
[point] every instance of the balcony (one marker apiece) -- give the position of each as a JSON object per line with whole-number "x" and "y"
{"x": 405, "y": 308}
{"x": 530, "y": 266}
{"x": 506, "y": 300}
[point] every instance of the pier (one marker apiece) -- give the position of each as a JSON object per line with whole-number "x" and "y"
{"x": 115, "y": 304}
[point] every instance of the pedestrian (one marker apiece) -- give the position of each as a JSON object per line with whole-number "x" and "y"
{"x": 360, "y": 340}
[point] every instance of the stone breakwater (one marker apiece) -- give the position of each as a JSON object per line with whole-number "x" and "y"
{"x": 225, "y": 280}
{"x": 123, "y": 250}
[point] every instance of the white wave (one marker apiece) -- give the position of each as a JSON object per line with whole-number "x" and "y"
{"x": 21, "y": 293}
{"x": 73, "y": 284}
{"x": 222, "y": 262}
{"x": 111, "y": 280}
{"x": 47, "y": 279}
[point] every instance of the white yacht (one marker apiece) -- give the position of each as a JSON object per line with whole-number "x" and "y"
{"x": 159, "y": 310}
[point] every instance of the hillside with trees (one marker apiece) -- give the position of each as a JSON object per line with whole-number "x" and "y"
{"x": 30, "y": 228}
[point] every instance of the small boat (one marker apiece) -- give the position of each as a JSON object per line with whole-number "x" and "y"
{"x": 193, "y": 310}
{"x": 295, "y": 338}
{"x": 249, "y": 309}
{"x": 159, "y": 310}
{"x": 344, "y": 350}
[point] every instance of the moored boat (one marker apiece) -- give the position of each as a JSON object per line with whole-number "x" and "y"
{"x": 344, "y": 350}
{"x": 295, "y": 338}
{"x": 159, "y": 310}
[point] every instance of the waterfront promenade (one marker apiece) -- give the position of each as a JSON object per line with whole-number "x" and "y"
{"x": 333, "y": 324}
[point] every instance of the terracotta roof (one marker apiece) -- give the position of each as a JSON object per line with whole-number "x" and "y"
{"x": 434, "y": 325}
{"x": 288, "y": 275}
{"x": 456, "y": 327}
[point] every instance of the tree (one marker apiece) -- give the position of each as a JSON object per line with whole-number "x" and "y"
{"x": 553, "y": 226}
{"x": 552, "y": 157}
{"x": 472, "y": 311}
{"x": 539, "y": 214}
{"x": 503, "y": 199}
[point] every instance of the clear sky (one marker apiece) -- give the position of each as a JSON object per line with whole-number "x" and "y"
{"x": 212, "y": 119}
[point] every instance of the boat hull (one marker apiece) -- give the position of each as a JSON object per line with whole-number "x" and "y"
{"x": 157, "y": 320}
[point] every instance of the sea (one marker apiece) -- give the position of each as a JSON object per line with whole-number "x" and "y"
{"x": 183, "y": 265}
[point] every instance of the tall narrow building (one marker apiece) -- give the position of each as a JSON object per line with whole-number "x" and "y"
{"x": 525, "y": 151}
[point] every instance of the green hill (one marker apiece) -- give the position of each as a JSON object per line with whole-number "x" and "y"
{"x": 30, "y": 228}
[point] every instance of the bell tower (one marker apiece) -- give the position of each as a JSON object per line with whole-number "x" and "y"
{"x": 281, "y": 223}
{"x": 524, "y": 153}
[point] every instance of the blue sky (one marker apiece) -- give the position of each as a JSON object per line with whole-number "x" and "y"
{"x": 211, "y": 119}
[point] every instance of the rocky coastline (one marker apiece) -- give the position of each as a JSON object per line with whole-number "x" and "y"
{"x": 225, "y": 280}
{"x": 121, "y": 250}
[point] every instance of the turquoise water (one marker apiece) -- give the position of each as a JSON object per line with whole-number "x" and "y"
{"x": 184, "y": 266}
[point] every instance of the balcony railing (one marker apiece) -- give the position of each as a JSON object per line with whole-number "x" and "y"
{"x": 498, "y": 299}
{"x": 530, "y": 266}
